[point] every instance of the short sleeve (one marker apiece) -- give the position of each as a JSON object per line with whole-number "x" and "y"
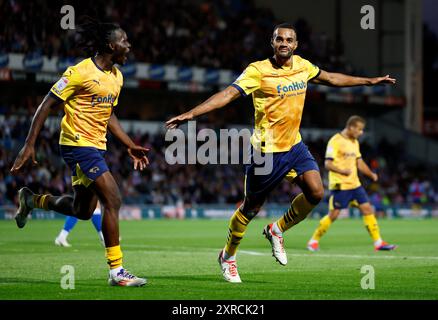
{"x": 332, "y": 149}
{"x": 116, "y": 101}
{"x": 120, "y": 80}
{"x": 312, "y": 70}
{"x": 249, "y": 81}
{"x": 358, "y": 154}
{"x": 67, "y": 85}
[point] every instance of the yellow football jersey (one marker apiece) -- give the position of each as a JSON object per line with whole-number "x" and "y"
{"x": 278, "y": 96}
{"x": 344, "y": 152}
{"x": 89, "y": 95}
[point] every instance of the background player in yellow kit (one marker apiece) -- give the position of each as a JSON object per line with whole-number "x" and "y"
{"x": 89, "y": 93}
{"x": 343, "y": 160}
{"x": 278, "y": 86}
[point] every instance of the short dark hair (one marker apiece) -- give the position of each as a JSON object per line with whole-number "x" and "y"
{"x": 285, "y": 25}
{"x": 94, "y": 36}
{"x": 353, "y": 120}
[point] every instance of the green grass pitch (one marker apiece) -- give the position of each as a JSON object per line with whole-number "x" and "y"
{"x": 178, "y": 257}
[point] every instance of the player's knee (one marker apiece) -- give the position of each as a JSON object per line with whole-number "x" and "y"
{"x": 333, "y": 215}
{"x": 83, "y": 217}
{"x": 82, "y": 213}
{"x": 250, "y": 214}
{"x": 114, "y": 203}
{"x": 83, "y": 209}
{"x": 315, "y": 196}
{"x": 250, "y": 209}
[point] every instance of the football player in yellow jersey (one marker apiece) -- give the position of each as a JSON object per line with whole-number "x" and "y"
{"x": 278, "y": 87}
{"x": 343, "y": 159}
{"x": 88, "y": 92}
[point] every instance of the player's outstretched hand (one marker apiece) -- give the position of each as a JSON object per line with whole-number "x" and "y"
{"x": 138, "y": 155}
{"x": 25, "y": 153}
{"x": 176, "y": 121}
{"x": 383, "y": 80}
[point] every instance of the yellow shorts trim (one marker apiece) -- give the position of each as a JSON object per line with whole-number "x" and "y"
{"x": 80, "y": 178}
{"x": 331, "y": 206}
{"x": 291, "y": 175}
{"x": 353, "y": 203}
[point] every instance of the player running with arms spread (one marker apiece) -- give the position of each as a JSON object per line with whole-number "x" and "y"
{"x": 278, "y": 88}
{"x": 88, "y": 92}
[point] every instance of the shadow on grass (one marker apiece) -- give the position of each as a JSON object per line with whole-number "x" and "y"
{"x": 26, "y": 281}
{"x": 33, "y": 281}
{"x": 202, "y": 278}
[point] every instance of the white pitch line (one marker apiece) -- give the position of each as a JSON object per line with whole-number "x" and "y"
{"x": 351, "y": 256}
{"x": 253, "y": 253}
{"x": 191, "y": 250}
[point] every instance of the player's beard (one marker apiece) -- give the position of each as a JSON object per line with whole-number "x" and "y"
{"x": 120, "y": 59}
{"x": 284, "y": 54}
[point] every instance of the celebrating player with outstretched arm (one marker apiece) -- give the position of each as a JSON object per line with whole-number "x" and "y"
{"x": 88, "y": 92}
{"x": 278, "y": 87}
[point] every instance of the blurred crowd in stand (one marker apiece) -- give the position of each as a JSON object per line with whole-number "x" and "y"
{"x": 193, "y": 184}
{"x": 214, "y": 34}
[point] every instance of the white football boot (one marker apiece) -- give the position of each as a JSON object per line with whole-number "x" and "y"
{"x": 229, "y": 269}
{"x": 277, "y": 244}
{"x": 62, "y": 242}
{"x": 125, "y": 279}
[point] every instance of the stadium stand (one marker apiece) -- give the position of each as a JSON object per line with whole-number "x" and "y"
{"x": 400, "y": 182}
{"x": 188, "y": 34}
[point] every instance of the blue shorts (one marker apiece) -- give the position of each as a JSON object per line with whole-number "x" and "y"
{"x": 86, "y": 163}
{"x": 341, "y": 199}
{"x": 289, "y": 165}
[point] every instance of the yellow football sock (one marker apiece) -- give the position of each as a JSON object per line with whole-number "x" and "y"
{"x": 297, "y": 212}
{"x": 372, "y": 226}
{"x": 324, "y": 225}
{"x": 41, "y": 201}
{"x": 237, "y": 228}
{"x": 114, "y": 256}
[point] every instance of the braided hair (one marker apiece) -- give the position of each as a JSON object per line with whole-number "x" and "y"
{"x": 95, "y": 36}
